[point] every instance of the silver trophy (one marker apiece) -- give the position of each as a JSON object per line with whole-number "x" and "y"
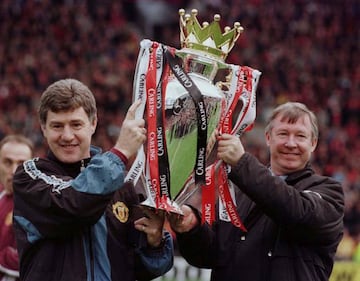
{"x": 183, "y": 91}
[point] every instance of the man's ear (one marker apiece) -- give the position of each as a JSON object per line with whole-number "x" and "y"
{"x": 267, "y": 138}
{"x": 94, "y": 124}
{"x": 43, "y": 129}
{"x": 314, "y": 143}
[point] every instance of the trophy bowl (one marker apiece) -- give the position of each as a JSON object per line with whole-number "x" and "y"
{"x": 166, "y": 167}
{"x": 181, "y": 126}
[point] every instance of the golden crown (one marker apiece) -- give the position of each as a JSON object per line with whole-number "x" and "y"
{"x": 208, "y": 37}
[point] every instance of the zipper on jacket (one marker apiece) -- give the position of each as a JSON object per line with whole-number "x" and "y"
{"x": 82, "y": 166}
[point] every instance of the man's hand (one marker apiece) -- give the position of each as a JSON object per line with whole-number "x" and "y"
{"x": 230, "y": 149}
{"x": 152, "y": 224}
{"x": 132, "y": 134}
{"x": 185, "y": 222}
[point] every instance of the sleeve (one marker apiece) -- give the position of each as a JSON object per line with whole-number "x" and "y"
{"x": 9, "y": 261}
{"x": 198, "y": 246}
{"x": 148, "y": 263}
{"x": 47, "y": 203}
{"x": 156, "y": 261}
{"x": 312, "y": 204}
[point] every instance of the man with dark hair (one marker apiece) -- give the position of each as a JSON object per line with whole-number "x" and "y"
{"x": 74, "y": 217}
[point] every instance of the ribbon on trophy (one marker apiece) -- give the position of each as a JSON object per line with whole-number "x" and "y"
{"x": 150, "y": 87}
{"x": 158, "y": 59}
{"x": 156, "y": 144}
{"x": 242, "y": 91}
{"x": 184, "y": 109}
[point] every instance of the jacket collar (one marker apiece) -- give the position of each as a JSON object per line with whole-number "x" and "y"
{"x": 294, "y": 177}
{"x": 74, "y": 169}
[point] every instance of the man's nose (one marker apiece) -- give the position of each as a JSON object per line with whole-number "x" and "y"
{"x": 290, "y": 142}
{"x": 67, "y": 133}
{"x": 14, "y": 167}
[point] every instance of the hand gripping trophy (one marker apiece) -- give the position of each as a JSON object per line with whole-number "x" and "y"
{"x": 187, "y": 96}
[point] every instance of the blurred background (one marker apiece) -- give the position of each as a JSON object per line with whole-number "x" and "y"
{"x": 307, "y": 51}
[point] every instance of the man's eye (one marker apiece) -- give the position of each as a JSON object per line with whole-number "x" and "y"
{"x": 77, "y": 126}
{"x": 56, "y": 126}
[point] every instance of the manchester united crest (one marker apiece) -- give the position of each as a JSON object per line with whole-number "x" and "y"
{"x": 121, "y": 211}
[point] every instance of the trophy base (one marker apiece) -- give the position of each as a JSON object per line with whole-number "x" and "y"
{"x": 165, "y": 204}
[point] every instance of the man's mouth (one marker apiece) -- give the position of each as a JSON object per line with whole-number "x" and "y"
{"x": 290, "y": 154}
{"x": 68, "y": 145}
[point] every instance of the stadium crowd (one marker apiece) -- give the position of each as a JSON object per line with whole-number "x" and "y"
{"x": 307, "y": 51}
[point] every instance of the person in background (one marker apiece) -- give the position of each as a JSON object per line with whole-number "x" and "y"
{"x": 14, "y": 150}
{"x": 293, "y": 216}
{"x": 74, "y": 217}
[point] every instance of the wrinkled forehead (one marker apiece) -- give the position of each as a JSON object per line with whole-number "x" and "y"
{"x": 15, "y": 151}
{"x": 77, "y": 114}
{"x": 300, "y": 122}
{"x": 292, "y": 117}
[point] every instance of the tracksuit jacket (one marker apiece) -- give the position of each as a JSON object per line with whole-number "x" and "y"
{"x": 294, "y": 226}
{"x": 78, "y": 225}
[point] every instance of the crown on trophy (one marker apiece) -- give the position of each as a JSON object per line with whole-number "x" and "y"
{"x": 208, "y": 37}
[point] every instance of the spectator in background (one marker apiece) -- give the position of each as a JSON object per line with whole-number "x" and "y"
{"x": 293, "y": 216}
{"x": 14, "y": 150}
{"x": 73, "y": 215}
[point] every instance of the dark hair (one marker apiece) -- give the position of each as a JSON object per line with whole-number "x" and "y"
{"x": 65, "y": 95}
{"x": 292, "y": 111}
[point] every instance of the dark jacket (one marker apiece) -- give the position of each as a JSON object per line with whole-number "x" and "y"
{"x": 293, "y": 228}
{"x": 73, "y": 225}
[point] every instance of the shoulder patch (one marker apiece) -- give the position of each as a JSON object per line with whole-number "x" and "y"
{"x": 121, "y": 211}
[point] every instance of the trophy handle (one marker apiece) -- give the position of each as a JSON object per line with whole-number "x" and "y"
{"x": 149, "y": 201}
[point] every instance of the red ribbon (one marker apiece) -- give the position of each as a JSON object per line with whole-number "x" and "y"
{"x": 218, "y": 169}
{"x": 208, "y": 196}
{"x": 151, "y": 112}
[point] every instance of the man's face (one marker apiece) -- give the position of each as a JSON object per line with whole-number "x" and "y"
{"x": 69, "y": 134}
{"x": 12, "y": 154}
{"x": 290, "y": 145}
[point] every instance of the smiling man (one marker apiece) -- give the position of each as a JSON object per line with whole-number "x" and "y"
{"x": 292, "y": 215}
{"x": 67, "y": 205}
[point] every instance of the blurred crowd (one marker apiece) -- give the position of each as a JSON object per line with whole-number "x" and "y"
{"x": 307, "y": 51}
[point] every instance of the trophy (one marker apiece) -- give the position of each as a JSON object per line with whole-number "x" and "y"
{"x": 187, "y": 96}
